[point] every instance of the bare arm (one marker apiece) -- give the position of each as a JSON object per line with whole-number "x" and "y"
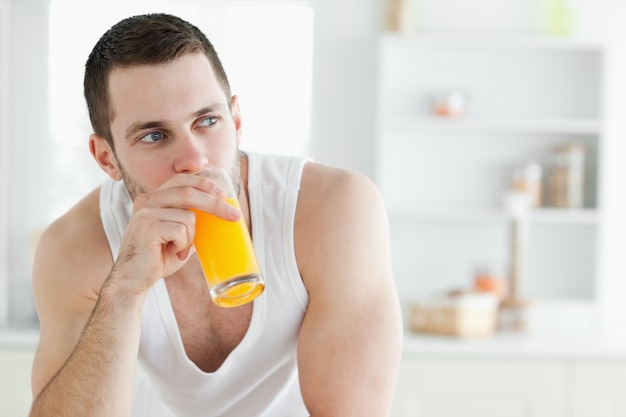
{"x": 84, "y": 364}
{"x": 96, "y": 379}
{"x": 350, "y": 341}
{"x": 90, "y": 313}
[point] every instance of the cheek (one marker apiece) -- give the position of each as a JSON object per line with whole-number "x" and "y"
{"x": 223, "y": 154}
{"x": 148, "y": 173}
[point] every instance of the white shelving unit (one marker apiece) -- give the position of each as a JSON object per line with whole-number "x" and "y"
{"x": 4, "y": 195}
{"x": 444, "y": 179}
{"x": 574, "y": 126}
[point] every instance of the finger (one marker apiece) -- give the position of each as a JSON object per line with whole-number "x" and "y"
{"x": 187, "y": 197}
{"x": 220, "y": 208}
{"x": 158, "y": 226}
{"x": 184, "y": 255}
{"x": 176, "y": 241}
{"x": 196, "y": 181}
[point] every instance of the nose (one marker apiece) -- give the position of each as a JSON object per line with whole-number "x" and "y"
{"x": 190, "y": 155}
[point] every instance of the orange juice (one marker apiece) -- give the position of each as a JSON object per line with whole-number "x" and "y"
{"x": 227, "y": 258}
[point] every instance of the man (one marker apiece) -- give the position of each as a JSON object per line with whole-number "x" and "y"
{"x": 116, "y": 278}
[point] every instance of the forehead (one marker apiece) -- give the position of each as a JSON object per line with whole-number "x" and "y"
{"x": 163, "y": 91}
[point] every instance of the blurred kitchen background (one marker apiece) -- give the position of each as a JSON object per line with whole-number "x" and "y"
{"x": 495, "y": 130}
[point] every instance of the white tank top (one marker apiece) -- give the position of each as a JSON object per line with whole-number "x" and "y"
{"x": 260, "y": 376}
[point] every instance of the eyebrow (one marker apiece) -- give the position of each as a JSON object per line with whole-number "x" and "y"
{"x": 157, "y": 124}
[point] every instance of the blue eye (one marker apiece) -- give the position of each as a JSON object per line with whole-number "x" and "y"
{"x": 209, "y": 121}
{"x": 152, "y": 137}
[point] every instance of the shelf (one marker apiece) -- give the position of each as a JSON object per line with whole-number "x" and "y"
{"x": 502, "y": 41}
{"x": 525, "y": 96}
{"x": 473, "y": 214}
{"x": 574, "y": 126}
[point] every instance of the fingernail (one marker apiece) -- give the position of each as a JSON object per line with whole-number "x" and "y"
{"x": 220, "y": 192}
{"x": 233, "y": 212}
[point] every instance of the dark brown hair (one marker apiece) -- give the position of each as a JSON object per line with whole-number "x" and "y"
{"x": 140, "y": 40}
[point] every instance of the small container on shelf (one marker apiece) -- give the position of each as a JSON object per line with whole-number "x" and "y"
{"x": 567, "y": 176}
{"x": 488, "y": 279}
{"x": 401, "y": 15}
{"x": 516, "y": 315}
{"x": 528, "y": 179}
{"x": 452, "y": 103}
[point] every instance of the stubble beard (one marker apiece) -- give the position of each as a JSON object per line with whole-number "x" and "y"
{"x": 135, "y": 188}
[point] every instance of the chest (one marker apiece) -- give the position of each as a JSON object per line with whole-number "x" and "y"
{"x": 209, "y": 333}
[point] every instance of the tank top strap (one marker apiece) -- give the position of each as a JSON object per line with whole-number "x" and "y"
{"x": 115, "y": 209}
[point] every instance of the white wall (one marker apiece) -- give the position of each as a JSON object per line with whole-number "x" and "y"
{"x": 343, "y": 123}
{"x": 28, "y": 129}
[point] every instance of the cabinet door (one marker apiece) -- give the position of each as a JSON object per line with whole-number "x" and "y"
{"x": 475, "y": 388}
{"x": 598, "y": 390}
{"x": 15, "y": 391}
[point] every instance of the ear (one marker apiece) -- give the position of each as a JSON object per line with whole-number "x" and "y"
{"x": 104, "y": 156}
{"x": 236, "y": 115}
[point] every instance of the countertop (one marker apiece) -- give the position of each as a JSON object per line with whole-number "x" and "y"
{"x": 558, "y": 330}
{"x": 24, "y": 338}
{"x": 581, "y": 346}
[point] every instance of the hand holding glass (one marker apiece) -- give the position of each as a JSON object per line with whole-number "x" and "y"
{"x": 225, "y": 250}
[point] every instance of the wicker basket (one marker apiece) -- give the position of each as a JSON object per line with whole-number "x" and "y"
{"x": 466, "y": 315}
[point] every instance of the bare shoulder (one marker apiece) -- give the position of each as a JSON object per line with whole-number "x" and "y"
{"x": 71, "y": 262}
{"x": 340, "y": 215}
{"x": 335, "y": 188}
{"x": 73, "y": 250}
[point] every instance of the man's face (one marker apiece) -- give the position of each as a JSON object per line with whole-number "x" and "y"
{"x": 171, "y": 118}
